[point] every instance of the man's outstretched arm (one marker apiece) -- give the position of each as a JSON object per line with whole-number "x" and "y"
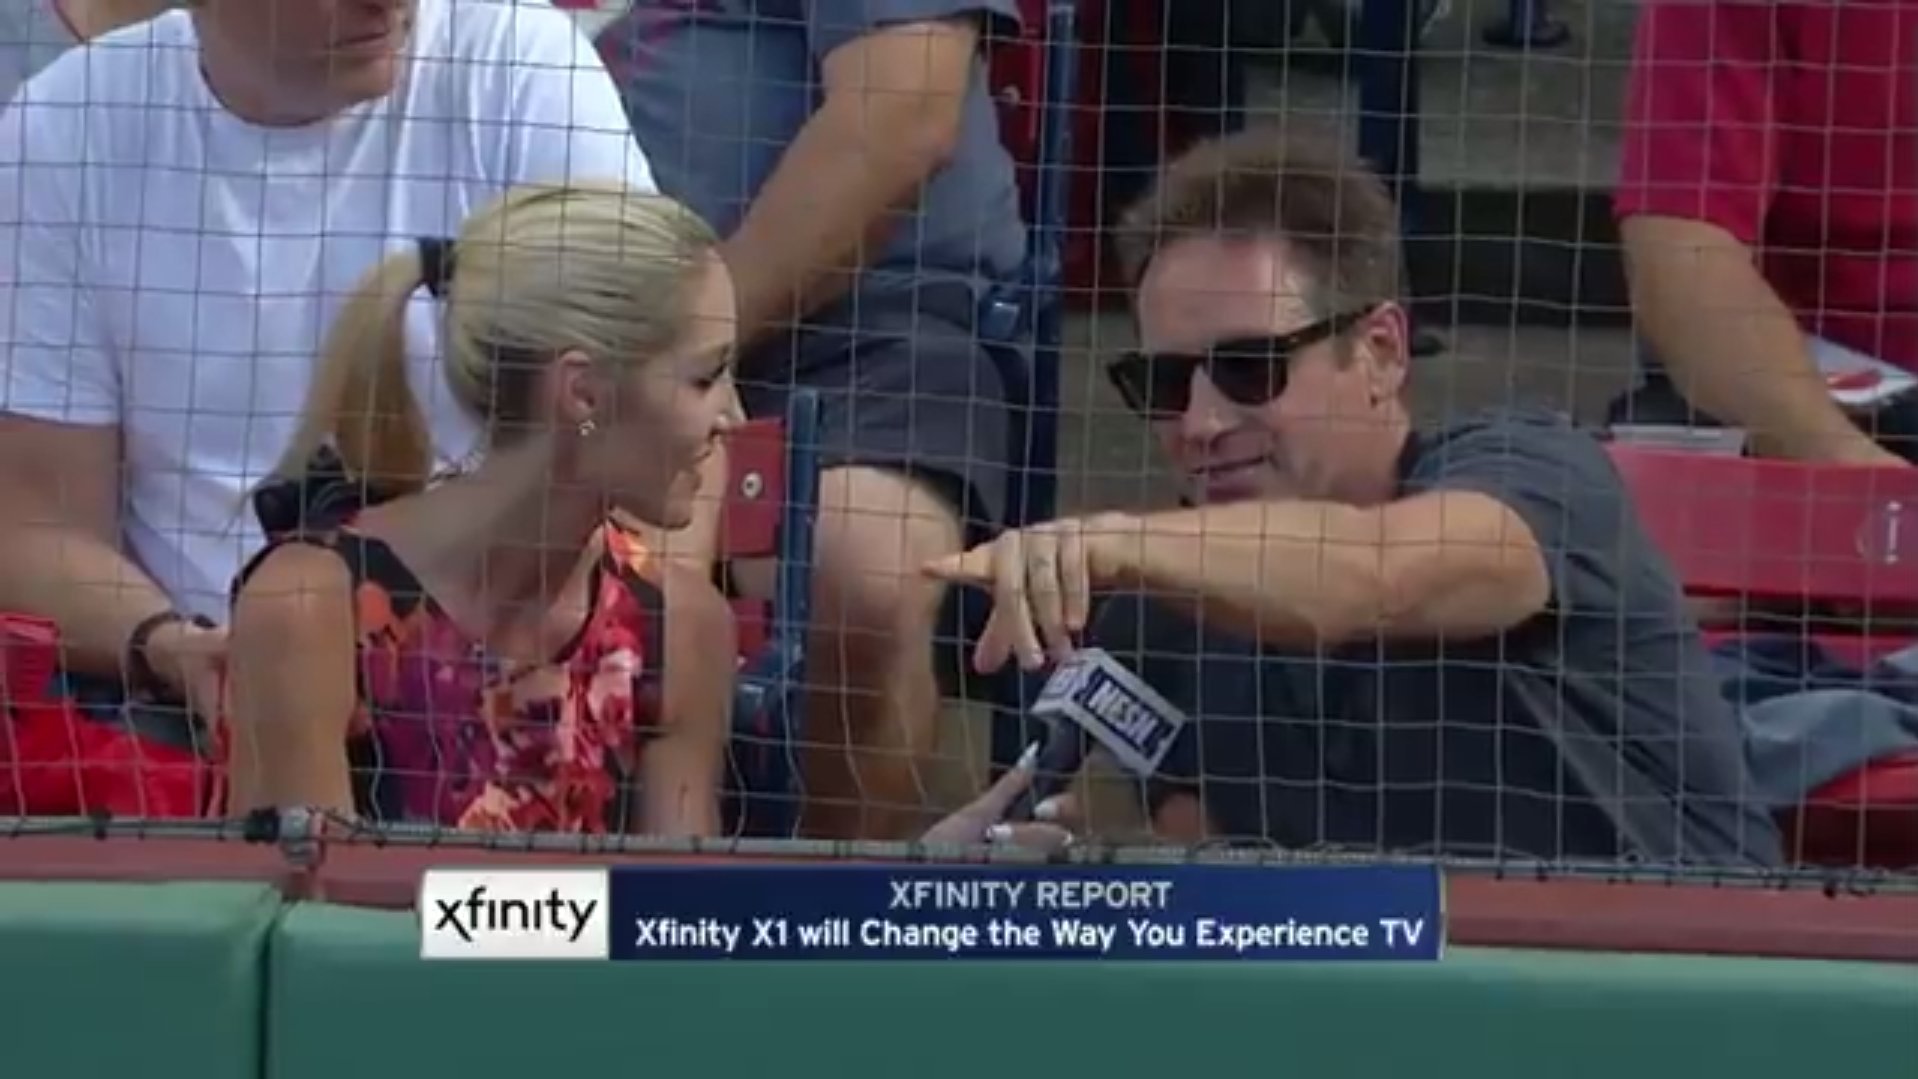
{"x": 1441, "y": 564}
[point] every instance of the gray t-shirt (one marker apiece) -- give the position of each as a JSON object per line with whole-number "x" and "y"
{"x": 32, "y": 33}
{"x": 717, "y": 89}
{"x": 1594, "y": 731}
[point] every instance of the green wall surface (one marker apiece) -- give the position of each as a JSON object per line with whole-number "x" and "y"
{"x": 219, "y": 981}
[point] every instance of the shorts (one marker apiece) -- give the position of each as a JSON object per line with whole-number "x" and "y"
{"x": 905, "y": 384}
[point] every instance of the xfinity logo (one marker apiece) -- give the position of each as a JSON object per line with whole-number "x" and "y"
{"x": 513, "y": 914}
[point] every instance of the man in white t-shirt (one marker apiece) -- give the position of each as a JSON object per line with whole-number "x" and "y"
{"x": 184, "y": 205}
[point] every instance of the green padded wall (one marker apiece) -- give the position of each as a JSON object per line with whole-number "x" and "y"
{"x": 114, "y": 981}
{"x": 351, "y": 1001}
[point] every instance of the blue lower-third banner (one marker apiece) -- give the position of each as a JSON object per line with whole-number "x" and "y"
{"x": 1318, "y": 913}
{"x": 1105, "y": 912}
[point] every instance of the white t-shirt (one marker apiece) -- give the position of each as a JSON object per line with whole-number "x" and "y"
{"x": 170, "y": 269}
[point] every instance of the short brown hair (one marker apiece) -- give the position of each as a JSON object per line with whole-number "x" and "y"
{"x": 1307, "y": 191}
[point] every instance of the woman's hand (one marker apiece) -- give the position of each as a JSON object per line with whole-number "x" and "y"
{"x": 982, "y": 821}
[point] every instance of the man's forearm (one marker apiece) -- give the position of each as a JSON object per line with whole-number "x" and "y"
{"x": 1291, "y": 574}
{"x": 1731, "y": 346}
{"x": 95, "y": 593}
{"x": 828, "y": 204}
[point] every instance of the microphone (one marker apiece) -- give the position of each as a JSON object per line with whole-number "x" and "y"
{"x": 1092, "y": 697}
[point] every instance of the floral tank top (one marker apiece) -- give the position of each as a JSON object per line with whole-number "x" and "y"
{"x": 448, "y": 734}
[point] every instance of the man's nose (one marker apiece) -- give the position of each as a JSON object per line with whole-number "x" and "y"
{"x": 1208, "y": 414}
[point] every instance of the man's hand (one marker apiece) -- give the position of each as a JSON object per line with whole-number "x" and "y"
{"x": 192, "y": 660}
{"x": 983, "y": 819}
{"x": 1041, "y": 581}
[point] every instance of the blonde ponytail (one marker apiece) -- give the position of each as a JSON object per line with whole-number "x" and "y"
{"x": 590, "y": 266}
{"x": 361, "y": 400}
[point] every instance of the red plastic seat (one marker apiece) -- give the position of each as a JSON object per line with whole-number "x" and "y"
{"x": 1777, "y": 532}
{"x": 57, "y": 760}
{"x": 749, "y": 519}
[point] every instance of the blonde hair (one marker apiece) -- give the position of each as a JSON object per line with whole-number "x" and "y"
{"x": 597, "y": 268}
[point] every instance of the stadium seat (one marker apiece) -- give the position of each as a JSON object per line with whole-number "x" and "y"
{"x": 770, "y": 508}
{"x": 1803, "y": 539}
{"x": 60, "y": 759}
{"x": 1034, "y": 79}
{"x": 1060, "y": 37}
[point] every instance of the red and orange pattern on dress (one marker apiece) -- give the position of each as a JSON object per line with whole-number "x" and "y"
{"x": 466, "y": 740}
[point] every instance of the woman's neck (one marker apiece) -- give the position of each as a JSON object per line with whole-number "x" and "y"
{"x": 499, "y": 550}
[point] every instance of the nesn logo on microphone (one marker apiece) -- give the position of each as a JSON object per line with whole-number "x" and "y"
{"x": 1130, "y": 720}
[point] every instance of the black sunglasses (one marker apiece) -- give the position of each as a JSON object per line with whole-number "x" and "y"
{"x": 1247, "y": 370}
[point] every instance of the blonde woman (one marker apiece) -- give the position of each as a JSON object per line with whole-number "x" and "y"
{"x": 483, "y": 651}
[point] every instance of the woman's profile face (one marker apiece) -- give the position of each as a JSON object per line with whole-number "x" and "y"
{"x": 679, "y": 405}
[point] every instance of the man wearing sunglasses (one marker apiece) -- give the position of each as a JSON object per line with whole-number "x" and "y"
{"x": 1456, "y": 640}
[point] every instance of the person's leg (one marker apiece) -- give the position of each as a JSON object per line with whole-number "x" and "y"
{"x": 873, "y": 699}
{"x": 913, "y": 442}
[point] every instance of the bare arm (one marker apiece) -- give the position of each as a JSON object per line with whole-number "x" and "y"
{"x": 292, "y": 684}
{"x": 681, "y": 769}
{"x": 1456, "y": 564}
{"x": 1733, "y": 348}
{"x": 60, "y": 401}
{"x": 60, "y": 543}
{"x": 894, "y": 100}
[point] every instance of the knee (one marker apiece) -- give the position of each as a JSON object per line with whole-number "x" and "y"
{"x": 877, "y": 531}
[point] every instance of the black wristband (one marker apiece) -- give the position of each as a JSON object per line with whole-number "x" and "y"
{"x": 142, "y": 680}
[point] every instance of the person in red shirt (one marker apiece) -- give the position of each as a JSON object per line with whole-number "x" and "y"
{"x": 1768, "y": 206}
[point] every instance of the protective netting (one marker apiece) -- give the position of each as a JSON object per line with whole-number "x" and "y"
{"x": 1601, "y": 738}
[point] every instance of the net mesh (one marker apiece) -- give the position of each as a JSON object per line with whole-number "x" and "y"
{"x": 1503, "y": 158}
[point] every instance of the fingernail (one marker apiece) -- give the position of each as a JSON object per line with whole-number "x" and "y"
{"x": 999, "y": 833}
{"x": 1047, "y": 810}
{"x": 1028, "y": 759}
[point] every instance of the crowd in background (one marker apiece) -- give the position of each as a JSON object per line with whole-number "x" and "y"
{"x": 481, "y": 301}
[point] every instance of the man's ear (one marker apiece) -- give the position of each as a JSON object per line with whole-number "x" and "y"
{"x": 1384, "y": 345}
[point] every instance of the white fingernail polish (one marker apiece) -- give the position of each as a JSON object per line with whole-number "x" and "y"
{"x": 999, "y": 833}
{"x": 1047, "y": 810}
{"x": 1030, "y": 758}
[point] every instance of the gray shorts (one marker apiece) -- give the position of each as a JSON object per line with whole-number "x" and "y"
{"x": 905, "y": 383}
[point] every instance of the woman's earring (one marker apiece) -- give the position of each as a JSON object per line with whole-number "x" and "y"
{"x": 586, "y": 428}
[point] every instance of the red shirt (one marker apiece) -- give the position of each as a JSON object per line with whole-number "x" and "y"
{"x": 1793, "y": 125}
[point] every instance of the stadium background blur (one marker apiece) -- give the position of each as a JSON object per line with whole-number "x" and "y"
{"x": 1514, "y": 259}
